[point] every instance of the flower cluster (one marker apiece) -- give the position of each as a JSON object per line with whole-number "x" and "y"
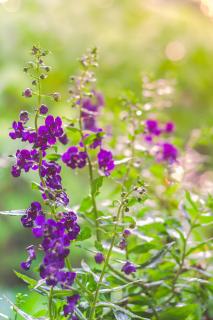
{"x": 164, "y": 151}
{"x": 57, "y": 235}
{"x": 57, "y": 231}
{"x": 90, "y": 110}
{"x": 76, "y": 156}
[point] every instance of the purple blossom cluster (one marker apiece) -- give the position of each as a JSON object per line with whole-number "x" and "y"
{"x": 165, "y": 151}
{"x": 76, "y": 156}
{"x": 41, "y": 139}
{"x": 56, "y": 237}
{"x": 90, "y": 110}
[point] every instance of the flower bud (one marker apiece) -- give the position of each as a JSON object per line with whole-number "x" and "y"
{"x": 43, "y": 109}
{"x": 24, "y": 116}
{"x": 27, "y": 93}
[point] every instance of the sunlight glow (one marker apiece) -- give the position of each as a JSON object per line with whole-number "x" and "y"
{"x": 206, "y": 7}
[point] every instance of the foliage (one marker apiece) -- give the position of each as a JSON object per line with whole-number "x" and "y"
{"x": 149, "y": 258}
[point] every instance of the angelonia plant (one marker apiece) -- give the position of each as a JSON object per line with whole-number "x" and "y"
{"x": 142, "y": 236}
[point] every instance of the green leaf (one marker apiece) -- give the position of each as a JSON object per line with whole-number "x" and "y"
{"x": 85, "y": 234}
{"x": 80, "y": 314}
{"x": 32, "y": 282}
{"x": 98, "y": 246}
{"x": 3, "y": 316}
{"x": 125, "y": 311}
{"x": 96, "y": 185}
{"x": 130, "y": 220}
{"x": 19, "y": 311}
{"x": 199, "y": 246}
{"x": 35, "y": 186}
{"x": 143, "y": 248}
{"x": 181, "y": 313}
{"x": 13, "y": 212}
{"x": 74, "y": 135}
{"x": 90, "y": 139}
{"x": 53, "y": 157}
{"x": 121, "y": 316}
{"x": 86, "y": 204}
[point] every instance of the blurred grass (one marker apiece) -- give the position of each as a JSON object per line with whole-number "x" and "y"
{"x": 132, "y": 37}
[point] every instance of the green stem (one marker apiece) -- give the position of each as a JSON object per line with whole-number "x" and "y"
{"x": 92, "y": 312}
{"x": 50, "y": 303}
{"x": 91, "y": 177}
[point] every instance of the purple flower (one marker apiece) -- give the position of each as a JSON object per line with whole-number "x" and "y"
{"x": 90, "y": 108}
{"x": 167, "y": 152}
{"x": 27, "y": 93}
{"x": 71, "y": 303}
{"x": 24, "y": 116}
{"x": 19, "y": 132}
{"x": 152, "y": 127}
{"x": 126, "y": 233}
{"x": 169, "y": 127}
{"x": 122, "y": 244}
{"x": 63, "y": 139}
{"x": 49, "y": 132}
{"x": 57, "y": 236}
{"x": 128, "y": 268}
{"x": 74, "y": 158}
{"x": 99, "y": 258}
{"x": 105, "y": 161}
{"x": 43, "y": 109}
{"x": 31, "y": 256}
{"x": 31, "y": 214}
{"x": 25, "y": 160}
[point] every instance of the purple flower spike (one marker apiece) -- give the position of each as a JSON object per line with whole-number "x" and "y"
{"x": 128, "y": 268}
{"x": 105, "y": 161}
{"x": 99, "y": 258}
{"x": 91, "y": 107}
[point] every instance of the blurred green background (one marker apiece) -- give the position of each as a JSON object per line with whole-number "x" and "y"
{"x": 167, "y": 39}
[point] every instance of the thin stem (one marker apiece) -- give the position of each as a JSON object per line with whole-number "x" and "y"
{"x": 98, "y": 236}
{"x": 50, "y": 303}
{"x": 92, "y": 312}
